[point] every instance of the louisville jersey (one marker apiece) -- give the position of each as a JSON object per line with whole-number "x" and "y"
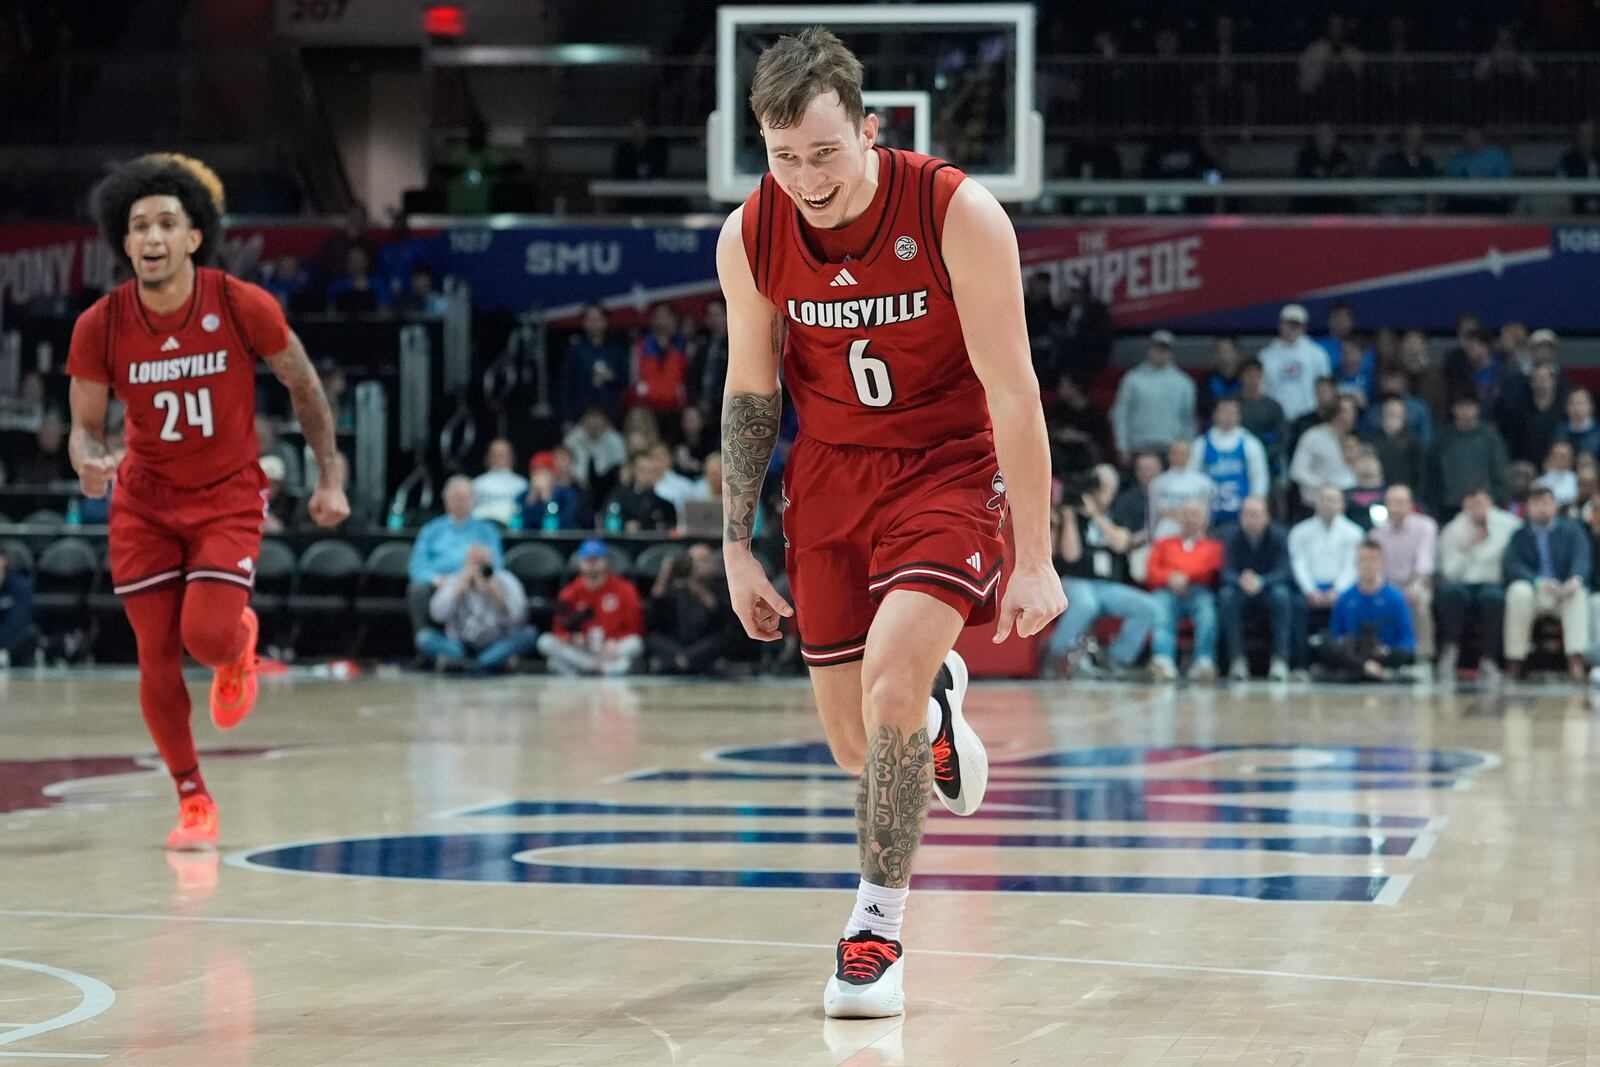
{"x": 874, "y": 354}
{"x": 187, "y": 379}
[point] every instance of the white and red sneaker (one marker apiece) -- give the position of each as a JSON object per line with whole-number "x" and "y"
{"x": 960, "y": 762}
{"x": 866, "y": 979}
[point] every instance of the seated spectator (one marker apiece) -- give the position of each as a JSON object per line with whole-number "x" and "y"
{"x": 1394, "y": 381}
{"x": 1256, "y": 578}
{"x": 1580, "y": 428}
{"x": 1410, "y": 542}
{"x": 1131, "y": 508}
{"x": 599, "y": 621}
{"x": 272, "y": 445}
{"x": 1479, "y": 159}
{"x": 1261, "y": 415}
{"x": 1319, "y": 455}
{"x": 598, "y": 453}
{"x": 1472, "y": 549}
{"x": 1174, "y": 487}
{"x": 499, "y": 489}
{"x": 1481, "y": 368}
{"x": 1429, "y": 382}
{"x": 1155, "y": 402}
{"x": 421, "y": 296}
{"x": 1399, "y": 453}
{"x": 697, "y": 439}
{"x": 1294, "y": 364}
{"x": 1369, "y": 631}
{"x": 1222, "y": 380}
{"x": 1183, "y": 570}
{"x": 1582, "y": 160}
{"x": 1466, "y": 457}
{"x": 711, "y": 357}
{"x": 1520, "y": 477}
{"x": 1326, "y": 391}
{"x": 1092, "y": 557}
{"x": 481, "y": 617}
{"x": 1515, "y": 349}
{"x": 1322, "y": 551}
{"x": 594, "y": 369}
{"x": 19, "y": 637}
{"x": 46, "y": 463}
{"x": 1363, "y": 503}
{"x": 673, "y": 487}
{"x": 641, "y": 430}
{"x": 440, "y": 549}
{"x": 1323, "y": 157}
{"x": 1080, "y": 431}
{"x": 1559, "y": 475}
{"x": 1356, "y": 369}
{"x": 636, "y": 505}
{"x": 1233, "y": 460}
{"x": 660, "y": 370}
{"x": 1408, "y": 160}
{"x": 691, "y": 619}
{"x": 335, "y": 387}
{"x": 1532, "y": 411}
{"x": 549, "y": 505}
{"x": 355, "y": 292}
{"x": 1547, "y": 567}
{"x": 287, "y": 280}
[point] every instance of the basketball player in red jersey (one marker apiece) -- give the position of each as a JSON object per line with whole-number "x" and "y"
{"x": 890, "y": 291}
{"x": 178, "y": 345}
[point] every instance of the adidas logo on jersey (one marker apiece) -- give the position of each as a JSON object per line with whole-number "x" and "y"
{"x": 975, "y": 561}
{"x": 171, "y": 345}
{"x": 844, "y": 277}
{"x": 246, "y": 566}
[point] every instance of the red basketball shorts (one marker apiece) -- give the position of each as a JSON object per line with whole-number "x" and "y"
{"x": 162, "y": 534}
{"x": 863, "y": 521}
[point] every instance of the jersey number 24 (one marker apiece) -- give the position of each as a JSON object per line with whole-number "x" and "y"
{"x": 194, "y": 407}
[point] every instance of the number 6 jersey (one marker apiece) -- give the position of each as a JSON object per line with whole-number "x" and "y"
{"x": 874, "y": 354}
{"x": 187, "y": 379}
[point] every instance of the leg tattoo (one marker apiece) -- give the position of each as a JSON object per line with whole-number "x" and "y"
{"x": 891, "y": 804}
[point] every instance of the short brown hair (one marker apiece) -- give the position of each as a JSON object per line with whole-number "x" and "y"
{"x": 799, "y": 68}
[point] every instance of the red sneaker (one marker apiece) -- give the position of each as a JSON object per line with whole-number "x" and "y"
{"x": 233, "y": 688}
{"x": 197, "y": 825}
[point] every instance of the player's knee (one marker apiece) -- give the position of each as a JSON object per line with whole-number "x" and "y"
{"x": 209, "y": 642}
{"x": 851, "y": 756}
{"x": 892, "y": 697}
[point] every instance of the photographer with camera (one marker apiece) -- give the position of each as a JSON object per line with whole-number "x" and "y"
{"x": 599, "y": 623}
{"x": 691, "y": 618}
{"x": 1092, "y": 558}
{"x": 480, "y": 615}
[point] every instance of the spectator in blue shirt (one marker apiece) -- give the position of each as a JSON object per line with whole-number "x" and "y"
{"x": 356, "y": 291}
{"x": 1370, "y": 633}
{"x": 594, "y": 372}
{"x": 1579, "y": 429}
{"x": 544, "y": 490}
{"x": 18, "y": 635}
{"x": 1479, "y": 159}
{"x": 441, "y": 547}
{"x": 1256, "y": 578}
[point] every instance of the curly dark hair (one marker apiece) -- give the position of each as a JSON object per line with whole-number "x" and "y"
{"x": 162, "y": 174}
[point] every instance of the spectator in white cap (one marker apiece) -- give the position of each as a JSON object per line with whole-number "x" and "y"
{"x": 1293, "y": 362}
{"x": 1155, "y": 402}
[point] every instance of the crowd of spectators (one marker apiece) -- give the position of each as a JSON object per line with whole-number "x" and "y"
{"x": 1351, "y": 505}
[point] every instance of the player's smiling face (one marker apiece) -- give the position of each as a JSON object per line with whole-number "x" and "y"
{"x": 159, "y": 239}
{"x": 821, "y": 161}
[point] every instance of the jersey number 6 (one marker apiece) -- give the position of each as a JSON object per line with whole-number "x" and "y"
{"x": 874, "y": 387}
{"x": 196, "y": 407}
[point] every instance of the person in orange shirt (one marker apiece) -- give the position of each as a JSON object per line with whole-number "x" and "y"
{"x": 1181, "y": 573}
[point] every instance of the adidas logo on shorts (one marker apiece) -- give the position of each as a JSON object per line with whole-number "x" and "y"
{"x": 975, "y": 561}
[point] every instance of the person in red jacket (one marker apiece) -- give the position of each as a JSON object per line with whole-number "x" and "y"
{"x": 1181, "y": 573}
{"x": 599, "y": 623}
{"x": 660, "y": 364}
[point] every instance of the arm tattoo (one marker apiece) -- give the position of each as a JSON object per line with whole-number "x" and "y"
{"x": 892, "y": 803}
{"x": 295, "y": 371}
{"x": 749, "y": 434}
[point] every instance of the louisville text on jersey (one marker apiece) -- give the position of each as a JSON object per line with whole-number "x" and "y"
{"x": 200, "y": 365}
{"x": 863, "y": 312}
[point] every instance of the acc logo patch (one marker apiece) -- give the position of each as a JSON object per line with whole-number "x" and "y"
{"x": 905, "y": 247}
{"x": 210, "y": 323}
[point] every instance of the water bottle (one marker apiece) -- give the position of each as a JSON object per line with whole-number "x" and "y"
{"x": 74, "y": 512}
{"x": 397, "y": 519}
{"x": 613, "y": 517}
{"x": 515, "y": 522}
{"x": 552, "y": 517}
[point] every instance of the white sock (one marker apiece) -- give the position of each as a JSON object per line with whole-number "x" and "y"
{"x": 935, "y": 719}
{"x": 879, "y": 909}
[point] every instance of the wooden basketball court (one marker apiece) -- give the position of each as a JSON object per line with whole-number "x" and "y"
{"x": 442, "y": 872}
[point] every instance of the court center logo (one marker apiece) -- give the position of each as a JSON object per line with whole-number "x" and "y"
{"x": 1250, "y": 822}
{"x": 905, "y": 247}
